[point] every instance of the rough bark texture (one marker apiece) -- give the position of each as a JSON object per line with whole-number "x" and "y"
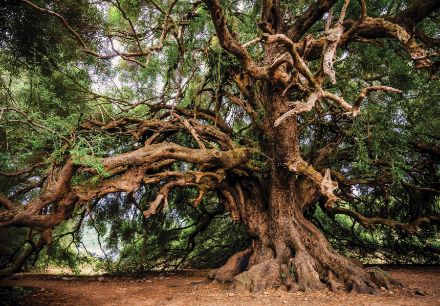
{"x": 288, "y": 251}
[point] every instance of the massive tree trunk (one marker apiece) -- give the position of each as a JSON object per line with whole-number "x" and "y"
{"x": 287, "y": 249}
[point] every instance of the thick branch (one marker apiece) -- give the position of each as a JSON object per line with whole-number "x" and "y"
{"x": 6, "y": 203}
{"x": 416, "y": 12}
{"x": 324, "y": 183}
{"x": 156, "y": 152}
{"x": 372, "y": 28}
{"x": 203, "y": 180}
{"x": 300, "y": 107}
{"x": 333, "y": 36}
{"x": 364, "y": 93}
{"x": 410, "y": 227}
{"x": 426, "y": 147}
{"x": 313, "y": 14}
{"x": 24, "y": 171}
{"x": 230, "y": 44}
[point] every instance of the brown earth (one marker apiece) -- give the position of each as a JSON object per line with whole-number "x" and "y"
{"x": 194, "y": 288}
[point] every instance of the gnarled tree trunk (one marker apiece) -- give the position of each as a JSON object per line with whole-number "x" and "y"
{"x": 287, "y": 250}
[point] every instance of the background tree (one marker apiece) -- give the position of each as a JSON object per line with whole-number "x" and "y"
{"x": 317, "y": 111}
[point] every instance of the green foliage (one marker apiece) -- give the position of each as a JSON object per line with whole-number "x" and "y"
{"x": 65, "y": 250}
{"x": 88, "y": 154}
{"x": 181, "y": 236}
{"x": 11, "y": 240}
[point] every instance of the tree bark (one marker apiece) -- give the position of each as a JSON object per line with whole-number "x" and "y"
{"x": 287, "y": 250}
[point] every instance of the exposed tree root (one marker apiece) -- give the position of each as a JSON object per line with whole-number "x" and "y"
{"x": 259, "y": 277}
{"x": 302, "y": 273}
{"x": 236, "y": 264}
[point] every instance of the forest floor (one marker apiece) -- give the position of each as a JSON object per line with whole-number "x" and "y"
{"x": 194, "y": 288}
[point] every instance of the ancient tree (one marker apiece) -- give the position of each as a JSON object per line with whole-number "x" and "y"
{"x": 249, "y": 110}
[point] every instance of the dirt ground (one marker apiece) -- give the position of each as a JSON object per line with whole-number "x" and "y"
{"x": 194, "y": 288}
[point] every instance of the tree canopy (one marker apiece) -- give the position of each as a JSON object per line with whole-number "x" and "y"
{"x": 182, "y": 132}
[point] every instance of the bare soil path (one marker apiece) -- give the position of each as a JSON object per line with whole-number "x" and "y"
{"x": 194, "y": 288}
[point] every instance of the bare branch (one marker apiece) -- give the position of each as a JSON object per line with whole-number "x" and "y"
{"x": 332, "y": 37}
{"x": 304, "y": 22}
{"x": 364, "y": 93}
{"x": 243, "y": 104}
{"x": 230, "y": 44}
{"x": 203, "y": 180}
{"x": 355, "y": 109}
{"x": 325, "y": 183}
{"x": 299, "y": 108}
{"x": 298, "y": 62}
{"x": 6, "y": 203}
{"x": 124, "y": 55}
{"x": 191, "y": 130}
{"x": 24, "y": 171}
